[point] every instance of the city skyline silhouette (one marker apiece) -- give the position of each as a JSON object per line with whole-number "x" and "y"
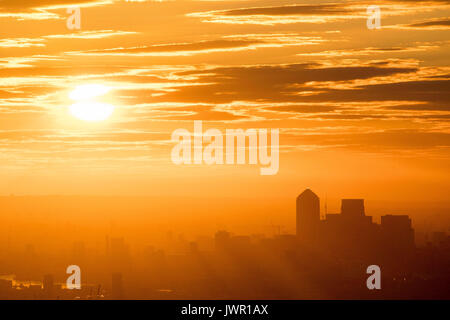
{"x": 326, "y": 258}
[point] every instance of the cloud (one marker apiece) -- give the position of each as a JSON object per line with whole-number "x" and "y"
{"x": 272, "y": 82}
{"x": 339, "y": 104}
{"x": 94, "y": 34}
{"x": 21, "y": 43}
{"x": 40, "y": 9}
{"x": 313, "y": 13}
{"x": 20, "y": 5}
{"x": 432, "y": 24}
{"x": 280, "y": 14}
{"x": 40, "y": 41}
{"x": 226, "y": 43}
{"x": 25, "y": 62}
{"x": 371, "y": 50}
{"x": 370, "y": 140}
{"x": 382, "y": 90}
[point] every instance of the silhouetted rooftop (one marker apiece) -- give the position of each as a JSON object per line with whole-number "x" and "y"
{"x": 308, "y": 194}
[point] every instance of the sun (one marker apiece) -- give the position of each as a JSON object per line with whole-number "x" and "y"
{"x": 87, "y": 108}
{"x": 91, "y": 111}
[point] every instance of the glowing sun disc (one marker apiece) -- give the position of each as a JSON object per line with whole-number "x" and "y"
{"x": 91, "y": 111}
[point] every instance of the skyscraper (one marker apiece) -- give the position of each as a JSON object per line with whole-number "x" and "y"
{"x": 352, "y": 207}
{"x": 308, "y": 214}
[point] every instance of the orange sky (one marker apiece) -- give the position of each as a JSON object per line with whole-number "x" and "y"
{"x": 361, "y": 113}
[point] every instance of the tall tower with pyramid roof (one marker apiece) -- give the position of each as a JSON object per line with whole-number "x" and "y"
{"x": 308, "y": 215}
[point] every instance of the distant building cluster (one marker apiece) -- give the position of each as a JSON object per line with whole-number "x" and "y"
{"x": 326, "y": 259}
{"x": 352, "y": 232}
